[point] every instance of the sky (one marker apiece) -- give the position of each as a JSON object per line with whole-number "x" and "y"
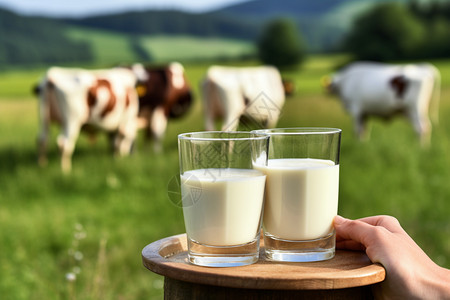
{"x": 78, "y": 8}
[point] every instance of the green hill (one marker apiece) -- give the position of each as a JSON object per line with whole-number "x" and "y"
{"x": 323, "y": 23}
{"x": 156, "y": 48}
{"x": 172, "y": 22}
{"x": 35, "y": 40}
{"x": 160, "y": 35}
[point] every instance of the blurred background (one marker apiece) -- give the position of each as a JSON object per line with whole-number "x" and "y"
{"x": 80, "y": 235}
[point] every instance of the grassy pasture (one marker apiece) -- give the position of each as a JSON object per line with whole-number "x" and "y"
{"x": 94, "y": 222}
{"x": 164, "y": 48}
{"x": 108, "y": 47}
{"x": 112, "y": 47}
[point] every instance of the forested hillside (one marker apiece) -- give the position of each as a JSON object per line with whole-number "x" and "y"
{"x": 323, "y": 24}
{"x": 28, "y": 40}
{"x": 295, "y": 8}
{"x": 34, "y": 40}
{"x": 315, "y": 19}
{"x": 173, "y": 22}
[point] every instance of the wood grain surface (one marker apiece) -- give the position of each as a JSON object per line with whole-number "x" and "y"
{"x": 168, "y": 257}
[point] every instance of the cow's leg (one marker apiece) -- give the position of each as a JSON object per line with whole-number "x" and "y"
{"x": 209, "y": 113}
{"x": 42, "y": 148}
{"x": 272, "y": 120}
{"x": 209, "y": 103}
{"x": 42, "y": 139}
{"x": 422, "y": 127}
{"x": 360, "y": 127}
{"x": 231, "y": 122}
{"x": 234, "y": 108}
{"x": 125, "y": 137}
{"x": 209, "y": 120}
{"x": 66, "y": 142}
{"x": 158, "y": 127}
{"x": 143, "y": 121}
{"x": 128, "y": 127}
{"x": 122, "y": 143}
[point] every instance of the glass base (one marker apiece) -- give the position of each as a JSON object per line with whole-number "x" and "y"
{"x": 223, "y": 256}
{"x": 277, "y": 249}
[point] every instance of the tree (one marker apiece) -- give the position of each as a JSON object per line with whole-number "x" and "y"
{"x": 281, "y": 44}
{"x": 435, "y": 18}
{"x": 387, "y": 32}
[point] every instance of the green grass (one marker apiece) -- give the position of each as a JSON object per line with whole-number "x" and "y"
{"x": 165, "y": 48}
{"x": 122, "y": 205}
{"x": 108, "y": 47}
{"x": 18, "y": 84}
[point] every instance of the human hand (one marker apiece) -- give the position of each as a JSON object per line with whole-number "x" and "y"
{"x": 410, "y": 273}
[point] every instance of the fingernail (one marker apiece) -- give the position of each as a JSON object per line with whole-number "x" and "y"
{"x": 338, "y": 220}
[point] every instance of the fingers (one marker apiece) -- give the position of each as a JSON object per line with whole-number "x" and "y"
{"x": 388, "y": 222}
{"x": 352, "y": 234}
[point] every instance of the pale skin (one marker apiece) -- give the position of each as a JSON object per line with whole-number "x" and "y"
{"x": 410, "y": 273}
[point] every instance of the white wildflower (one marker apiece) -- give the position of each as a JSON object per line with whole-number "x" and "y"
{"x": 78, "y": 255}
{"x": 80, "y": 235}
{"x": 71, "y": 276}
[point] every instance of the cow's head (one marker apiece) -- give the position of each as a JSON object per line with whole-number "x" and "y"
{"x": 36, "y": 89}
{"x": 329, "y": 84}
{"x": 139, "y": 71}
{"x": 182, "y": 105}
{"x": 180, "y": 95}
{"x": 164, "y": 86}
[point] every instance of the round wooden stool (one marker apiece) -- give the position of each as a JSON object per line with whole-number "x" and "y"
{"x": 349, "y": 275}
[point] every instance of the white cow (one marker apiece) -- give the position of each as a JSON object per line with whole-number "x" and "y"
{"x": 106, "y": 99}
{"x": 376, "y": 89}
{"x": 230, "y": 93}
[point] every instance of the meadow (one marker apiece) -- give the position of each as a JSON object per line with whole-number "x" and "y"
{"x": 80, "y": 236}
{"x": 160, "y": 48}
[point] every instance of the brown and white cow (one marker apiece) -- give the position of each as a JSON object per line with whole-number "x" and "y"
{"x": 164, "y": 93}
{"x": 106, "y": 99}
{"x": 256, "y": 93}
{"x": 384, "y": 90}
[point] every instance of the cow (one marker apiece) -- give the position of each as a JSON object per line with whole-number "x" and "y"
{"x": 164, "y": 93}
{"x": 384, "y": 90}
{"x": 237, "y": 94}
{"x": 104, "y": 99}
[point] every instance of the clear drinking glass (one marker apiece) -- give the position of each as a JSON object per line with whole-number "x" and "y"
{"x": 222, "y": 195}
{"x": 301, "y": 197}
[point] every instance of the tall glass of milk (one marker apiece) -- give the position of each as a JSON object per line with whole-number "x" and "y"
{"x": 222, "y": 195}
{"x": 301, "y": 193}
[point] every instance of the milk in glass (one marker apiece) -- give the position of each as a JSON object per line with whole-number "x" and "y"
{"x": 301, "y": 198}
{"x": 222, "y": 207}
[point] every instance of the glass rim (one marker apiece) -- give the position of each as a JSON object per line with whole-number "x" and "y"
{"x": 204, "y": 136}
{"x": 298, "y": 130}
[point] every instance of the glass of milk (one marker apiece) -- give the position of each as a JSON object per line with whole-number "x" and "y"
{"x": 301, "y": 195}
{"x": 222, "y": 195}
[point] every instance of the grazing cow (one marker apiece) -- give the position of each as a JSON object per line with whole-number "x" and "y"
{"x": 105, "y": 99}
{"x": 376, "y": 89}
{"x": 164, "y": 93}
{"x": 255, "y": 93}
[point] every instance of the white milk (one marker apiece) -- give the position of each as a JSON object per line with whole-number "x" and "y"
{"x": 222, "y": 207}
{"x": 301, "y": 198}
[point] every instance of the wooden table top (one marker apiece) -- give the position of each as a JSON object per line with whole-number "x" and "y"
{"x": 168, "y": 257}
